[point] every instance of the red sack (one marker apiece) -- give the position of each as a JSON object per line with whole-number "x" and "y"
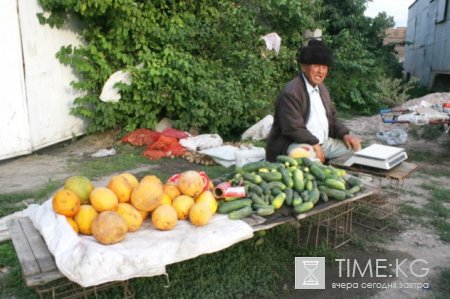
{"x": 141, "y": 137}
{"x": 170, "y": 132}
{"x": 163, "y": 147}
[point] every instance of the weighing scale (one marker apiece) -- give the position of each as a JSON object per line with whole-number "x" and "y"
{"x": 378, "y": 156}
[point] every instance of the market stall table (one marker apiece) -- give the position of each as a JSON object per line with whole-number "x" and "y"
{"x": 377, "y": 212}
{"x": 41, "y": 272}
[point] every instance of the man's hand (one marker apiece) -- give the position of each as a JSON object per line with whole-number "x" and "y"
{"x": 352, "y": 142}
{"x": 318, "y": 150}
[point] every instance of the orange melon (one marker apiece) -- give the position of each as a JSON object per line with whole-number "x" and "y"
{"x": 147, "y": 196}
{"x": 208, "y": 197}
{"x": 164, "y": 217}
{"x": 66, "y": 202}
{"x": 182, "y": 205}
{"x": 171, "y": 190}
{"x": 84, "y": 219}
{"x": 109, "y": 228}
{"x": 191, "y": 183}
{"x": 151, "y": 178}
{"x": 132, "y": 216}
{"x": 131, "y": 179}
{"x": 103, "y": 199}
{"x": 200, "y": 213}
{"x": 81, "y": 186}
{"x": 121, "y": 188}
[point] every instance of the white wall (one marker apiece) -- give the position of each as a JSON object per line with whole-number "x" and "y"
{"x": 36, "y": 96}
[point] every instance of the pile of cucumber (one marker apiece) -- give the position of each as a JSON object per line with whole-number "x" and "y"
{"x": 295, "y": 182}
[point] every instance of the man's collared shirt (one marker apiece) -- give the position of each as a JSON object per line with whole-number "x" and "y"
{"x": 317, "y": 123}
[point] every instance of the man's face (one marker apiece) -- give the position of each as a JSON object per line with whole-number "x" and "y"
{"x": 315, "y": 73}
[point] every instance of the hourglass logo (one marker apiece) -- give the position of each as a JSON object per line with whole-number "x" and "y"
{"x": 310, "y": 273}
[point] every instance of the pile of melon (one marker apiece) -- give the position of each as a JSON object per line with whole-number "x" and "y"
{"x": 109, "y": 213}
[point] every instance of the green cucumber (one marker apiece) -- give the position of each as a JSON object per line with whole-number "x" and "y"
{"x": 323, "y": 196}
{"x": 287, "y": 160}
{"x": 271, "y": 176}
{"x": 307, "y": 162}
{"x": 335, "y": 184}
{"x": 278, "y": 201}
{"x": 256, "y": 206}
{"x": 309, "y": 185}
{"x": 265, "y": 187}
{"x": 275, "y": 191}
{"x": 333, "y": 193}
{"x": 276, "y": 184}
{"x": 314, "y": 196}
{"x": 241, "y": 213}
{"x": 230, "y": 206}
{"x": 256, "y": 198}
{"x": 286, "y": 177}
{"x": 299, "y": 184}
{"x": 265, "y": 211}
{"x": 303, "y": 207}
{"x": 317, "y": 172}
{"x": 289, "y": 196}
{"x": 256, "y": 189}
{"x": 254, "y": 178}
{"x": 252, "y": 166}
{"x": 354, "y": 181}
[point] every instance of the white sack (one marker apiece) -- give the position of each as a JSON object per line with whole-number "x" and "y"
{"x": 260, "y": 130}
{"x": 223, "y": 155}
{"x": 201, "y": 142}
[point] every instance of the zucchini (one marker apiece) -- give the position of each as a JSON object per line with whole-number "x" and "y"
{"x": 278, "y": 201}
{"x": 303, "y": 207}
{"x": 241, "y": 213}
{"x": 271, "y": 176}
{"x": 230, "y": 206}
{"x": 286, "y": 160}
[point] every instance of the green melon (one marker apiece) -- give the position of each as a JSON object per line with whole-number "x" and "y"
{"x": 81, "y": 186}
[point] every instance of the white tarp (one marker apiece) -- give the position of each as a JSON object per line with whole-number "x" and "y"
{"x": 143, "y": 253}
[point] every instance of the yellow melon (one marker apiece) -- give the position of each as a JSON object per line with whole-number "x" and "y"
{"x": 208, "y": 197}
{"x": 191, "y": 183}
{"x": 103, "y": 199}
{"x": 200, "y": 213}
{"x": 299, "y": 152}
{"x": 66, "y": 202}
{"x": 84, "y": 219}
{"x": 131, "y": 179}
{"x": 121, "y": 188}
{"x": 73, "y": 224}
{"x": 132, "y": 216}
{"x": 171, "y": 190}
{"x": 164, "y": 217}
{"x": 151, "y": 178}
{"x": 81, "y": 186}
{"x": 147, "y": 196}
{"x": 166, "y": 200}
{"x": 182, "y": 205}
{"x": 109, "y": 228}
{"x": 143, "y": 214}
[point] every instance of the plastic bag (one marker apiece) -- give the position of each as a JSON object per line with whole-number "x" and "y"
{"x": 273, "y": 41}
{"x": 393, "y": 137}
{"x": 110, "y": 93}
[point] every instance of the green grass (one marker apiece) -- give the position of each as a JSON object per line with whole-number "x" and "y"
{"x": 13, "y": 202}
{"x": 442, "y": 289}
{"x": 438, "y": 211}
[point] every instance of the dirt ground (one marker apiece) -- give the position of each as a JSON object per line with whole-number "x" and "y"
{"x": 413, "y": 241}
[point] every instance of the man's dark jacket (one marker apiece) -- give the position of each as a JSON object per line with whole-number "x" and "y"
{"x": 291, "y": 115}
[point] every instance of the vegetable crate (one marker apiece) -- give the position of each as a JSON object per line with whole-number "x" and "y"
{"x": 331, "y": 228}
{"x": 380, "y": 211}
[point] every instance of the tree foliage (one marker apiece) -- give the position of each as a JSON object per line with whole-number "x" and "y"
{"x": 202, "y": 63}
